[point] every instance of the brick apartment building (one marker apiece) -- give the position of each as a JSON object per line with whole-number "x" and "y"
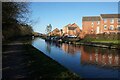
{"x": 71, "y": 30}
{"x": 105, "y": 23}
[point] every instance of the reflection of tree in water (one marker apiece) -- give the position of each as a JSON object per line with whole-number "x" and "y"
{"x": 56, "y": 44}
{"x": 89, "y": 49}
{"x": 48, "y": 47}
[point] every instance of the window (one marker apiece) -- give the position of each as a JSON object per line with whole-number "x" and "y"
{"x": 91, "y": 30}
{"x": 97, "y": 30}
{"x": 92, "y": 24}
{"x": 118, "y": 20}
{"x": 119, "y": 27}
{"x": 111, "y": 27}
{"x": 111, "y": 20}
{"x": 105, "y": 27}
{"x": 98, "y": 22}
{"x": 105, "y": 20}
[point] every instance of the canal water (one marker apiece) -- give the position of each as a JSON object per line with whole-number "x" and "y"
{"x": 85, "y": 61}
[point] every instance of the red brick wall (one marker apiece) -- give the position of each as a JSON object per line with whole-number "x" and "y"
{"x": 108, "y": 23}
{"x": 87, "y": 27}
{"x": 90, "y": 28}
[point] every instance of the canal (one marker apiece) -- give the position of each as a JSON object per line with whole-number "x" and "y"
{"x": 86, "y": 61}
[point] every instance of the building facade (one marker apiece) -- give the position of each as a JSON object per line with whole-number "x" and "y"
{"x": 71, "y": 30}
{"x": 55, "y": 32}
{"x": 105, "y": 23}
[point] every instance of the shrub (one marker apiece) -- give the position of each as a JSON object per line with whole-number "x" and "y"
{"x": 104, "y": 37}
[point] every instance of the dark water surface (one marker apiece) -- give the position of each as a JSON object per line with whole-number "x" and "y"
{"x": 86, "y": 61}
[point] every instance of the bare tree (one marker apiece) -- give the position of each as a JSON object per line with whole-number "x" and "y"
{"x": 15, "y": 17}
{"x": 15, "y": 12}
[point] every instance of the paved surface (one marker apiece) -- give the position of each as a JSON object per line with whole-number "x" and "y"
{"x": 14, "y": 63}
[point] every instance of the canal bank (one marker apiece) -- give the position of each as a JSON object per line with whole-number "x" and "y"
{"x": 24, "y": 61}
{"x": 111, "y": 44}
{"x": 100, "y": 44}
{"x": 106, "y": 44}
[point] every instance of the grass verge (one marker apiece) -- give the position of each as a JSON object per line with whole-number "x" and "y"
{"x": 44, "y": 67}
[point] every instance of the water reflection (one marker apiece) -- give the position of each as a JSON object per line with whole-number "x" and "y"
{"x": 86, "y": 61}
{"x": 48, "y": 46}
{"x": 101, "y": 57}
{"x": 70, "y": 49}
{"x": 90, "y": 55}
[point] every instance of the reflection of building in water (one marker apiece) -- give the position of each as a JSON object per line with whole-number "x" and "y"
{"x": 70, "y": 48}
{"x": 91, "y": 55}
{"x": 107, "y": 58}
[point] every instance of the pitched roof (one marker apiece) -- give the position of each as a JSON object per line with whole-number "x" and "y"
{"x": 56, "y": 30}
{"x": 68, "y": 25}
{"x": 110, "y": 15}
{"x": 72, "y": 28}
{"x": 91, "y": 18}
{"x": 74, "y": 25}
